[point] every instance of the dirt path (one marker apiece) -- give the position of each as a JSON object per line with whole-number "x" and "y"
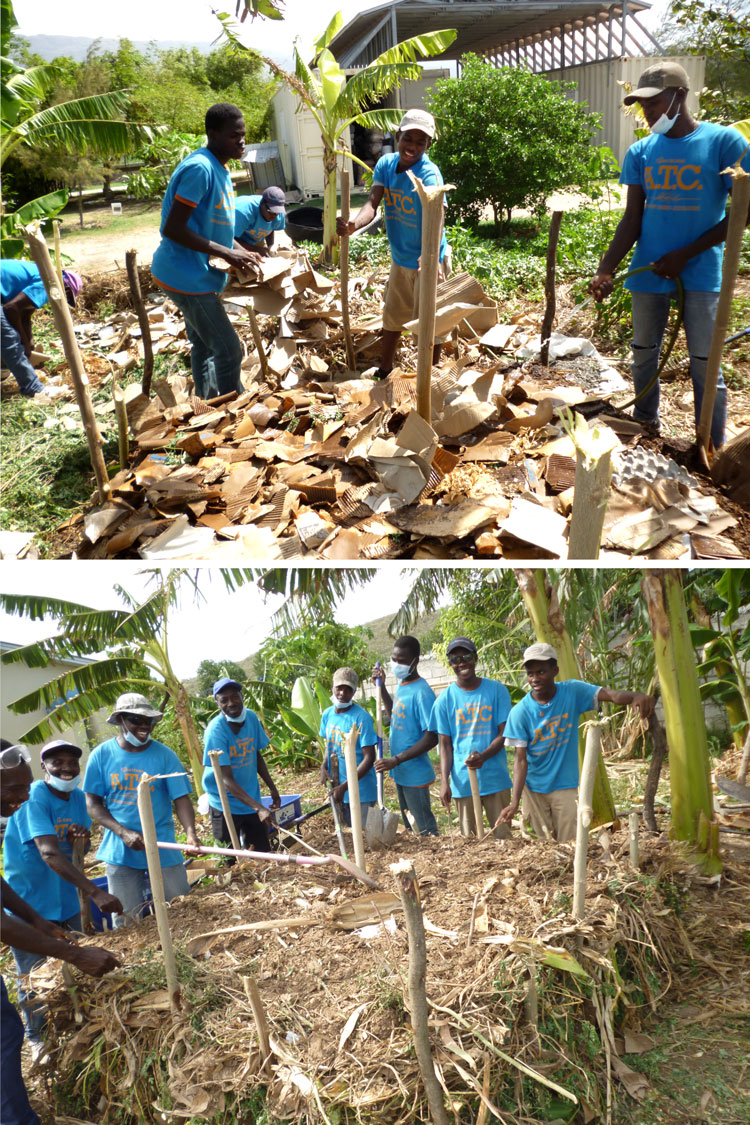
{"x": 101, "y": 245}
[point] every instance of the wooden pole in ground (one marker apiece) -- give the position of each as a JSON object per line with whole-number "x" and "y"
{"x": 355, "y": 809}
{"x": 634, "y": 818}
{"x": 259, "y": 1015}
{"x": 258, "y": 341}
{"x": 83, "y": 899}
{"x": 148, "y": 830}
{"x": 351, "y": 361}
{"x": 658, "y": 754}
{"x": 432, "y": 229}
{"x": 64, "y": 325}
{"x": 591, "y": 487}
{"x": 476, "y": 802}
{"x": 549, "y": 285}
{"x": 121, "y": 414}
{"x": 408, "y": 889}
{"x": 737, "y": 222}
{"x": 131, "y": 264}
{"x": 58, "y": 253}
{"x": 214, "y": 755}
{"x": 745, "y": 762}
{"x": 585, "y": 814}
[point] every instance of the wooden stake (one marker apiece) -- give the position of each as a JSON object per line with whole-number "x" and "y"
{"x": 408, "y": 889}
{"x": 476, "y": 802}
{"x": 259, "y": 1015}
{"x": 592, "y": 483}
{"x": 121, "y": 414}
{"x": 585, "y": 814}
{"x": 64, "y": 325}
{"x": 432, "y": 229}
{"x": 258, "y": 341}
{"x": 351, "y": 361}
{"x": 745, "y": 762}
{"x": 658, "y": 754}
{"x": 355, "y": 809}
{"x": 214, "y": 755}
{"x": 83, "y": 899}
{"x": 131, "y": 264}
{"x": 148, "y": 830}
{"x": 549, "y": 285}
{"x": 633, "y": 822}
{"x": 737, "y": 221}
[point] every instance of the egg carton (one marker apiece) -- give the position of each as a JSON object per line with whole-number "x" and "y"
{"x": 650, "y": 466}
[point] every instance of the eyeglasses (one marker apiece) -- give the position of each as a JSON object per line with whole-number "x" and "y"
{"x": 468, "y": 658}
{"x": 13, "y": 756}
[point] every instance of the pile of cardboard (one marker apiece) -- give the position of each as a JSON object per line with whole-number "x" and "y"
{"x": 314, "y": 461}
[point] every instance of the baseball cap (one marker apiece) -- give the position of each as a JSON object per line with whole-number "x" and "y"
{"x": 59, "y": 744}
{"x": 539, "y": 651}
{"x": 660, "y": 76}
{"x": 418, "y": 119}
{"x": 461, "y": 642}
{"x": 275, "y": 200}
{"x": 73, "y": 285}
{"x": 226, "y": 681}
{"x": 346, "y": 676}
{"x": 133, "y": 704}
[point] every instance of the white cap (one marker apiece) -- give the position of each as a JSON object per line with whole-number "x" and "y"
{"x": 539, "y": 651}
{"x": 418, "y": 119}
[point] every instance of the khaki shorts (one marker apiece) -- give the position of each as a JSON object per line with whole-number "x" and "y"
{"x": 493, "y": 804}
{"x": 552, "y": 814}
{"x": 401, "y": 302}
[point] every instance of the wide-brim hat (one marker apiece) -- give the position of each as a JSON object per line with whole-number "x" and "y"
{"x": 133, "y": 704}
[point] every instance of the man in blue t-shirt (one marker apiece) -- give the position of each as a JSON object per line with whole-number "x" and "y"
{"x": 113, "y": 773}
{"x": 23, "y": 292}
{"x": 403, "y": 225}
{"x": 470, "y": 717}
{"x": 197, "y": 221}
{"x": 675, "y": 216}
{"x": 543, "y": 727}
{"x": 238, "y": 736}
{"x": 256, "y": 217}
{"x": 335, "y": 723}
{"x": 38, "y": 864}
{"x": 408, "y": 712}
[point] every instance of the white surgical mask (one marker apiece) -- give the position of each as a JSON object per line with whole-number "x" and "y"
{"x": 400, "y": 671}
{"x": 664, "y": 123}
{"x": 339, "y": 705}
{"x": 134, "y": 740}
{"x": 237, "y": 718}
{"x": 64, "y": 784}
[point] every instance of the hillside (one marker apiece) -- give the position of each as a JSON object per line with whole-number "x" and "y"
{"x": 76, "y": 46}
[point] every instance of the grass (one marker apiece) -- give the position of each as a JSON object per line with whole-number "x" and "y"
{"x": 99, "y": 220}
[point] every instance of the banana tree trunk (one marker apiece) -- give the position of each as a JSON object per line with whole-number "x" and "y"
{"x": 329, "y": 255}
{"x": 692, "y": 811}
{"x": 547, "y": 618}
{"x": 184, "y": 714}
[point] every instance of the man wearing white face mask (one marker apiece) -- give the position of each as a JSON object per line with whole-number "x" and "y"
{"x": 409, "y": 714}
{"x": 238, "y": 735}
{"x": 37, "y": 858}
{"x": 675, "y": 217}
{"x": 113, "y": 773}
{"x": 335, "y": 723}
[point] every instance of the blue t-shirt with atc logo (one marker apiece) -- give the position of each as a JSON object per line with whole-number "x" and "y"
{"x": 19, "y": 276}
{"x": 204, "y": 183}
{"x": 249, "y": 224}
{"x": 549, "y": 731}
{"x": 686, "y": 195}
{"x": 114, "y": 774}
{"x": 44, "y": 814}
{"x": 410, "y": 719}
{"x": 334, "y": 727}
{"x": 403, "y": 209}
{"x": 471, "y": 720}
{"x": 240, "y": 751}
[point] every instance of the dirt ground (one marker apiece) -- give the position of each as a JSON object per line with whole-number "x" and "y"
{"x": 98, "y": 249}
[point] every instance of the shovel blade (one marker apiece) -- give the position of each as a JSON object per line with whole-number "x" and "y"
{"x": 374, "y": 828}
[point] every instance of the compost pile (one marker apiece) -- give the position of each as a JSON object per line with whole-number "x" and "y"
{"x": 315, "y": 461}
{"x": 527, "y": 1008}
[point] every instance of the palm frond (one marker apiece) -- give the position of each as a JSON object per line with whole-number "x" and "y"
{"x": 428, "y": 588}
{"x": 33, "y": 82}
{"x": 372, "y": 83}
{"x": 384, "y": 119}
{"x": 95, "y": 135}
{"x": 99, "y": 682}
{"x": 330, "y": 33}
{"x": 419, "y": 47}
{"x": 310, "y": 593}
{"x": 36, "y": 607}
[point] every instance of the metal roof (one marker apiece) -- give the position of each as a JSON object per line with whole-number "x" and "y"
{"x": 484, "y": 26}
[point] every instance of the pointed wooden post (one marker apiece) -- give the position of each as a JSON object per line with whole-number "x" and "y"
{"x": 148, "y": 829}
{"x": 549, "y": 286}
{"x": 214, "y": 755}
{"x": 355, "y": 810}
{"x": 64, "y": 325}
{"x": 592, "y": 483}
{"x": 351, "y": 361}
{"x": 131, "y": 264}
{"x": 585, "y": 815}
{"x": 476, "y": 802}
{"x": 432, "y": 229}
{"x": 258, "y": 341}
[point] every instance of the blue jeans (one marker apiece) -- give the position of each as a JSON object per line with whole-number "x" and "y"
{"x": 33, "y": 1010}
{"x": 14, "y": 1101}
{"x": 129, "y": 885}
{"x": 650, "y": 313}
{"x": 216, "y": 354}
{"x": 416, "y": 800}
{"x": 15, "y": 359}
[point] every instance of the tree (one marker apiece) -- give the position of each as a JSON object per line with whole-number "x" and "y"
{"x": 717, "y": 29}
{"x": 336, "y": 103}
{"x": 507, "y": 138}
{"x": 315, "y": 651}
{"x": 209, "y": 671}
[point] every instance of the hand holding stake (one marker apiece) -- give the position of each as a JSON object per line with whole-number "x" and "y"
{"x": 148, "y": 829}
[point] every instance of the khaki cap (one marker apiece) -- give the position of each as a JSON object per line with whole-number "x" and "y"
{"x": 657, "y": 78}
{"x": 539, "y": 651}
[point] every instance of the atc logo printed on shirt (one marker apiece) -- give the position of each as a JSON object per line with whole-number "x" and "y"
{"x": 225, "y": 207}
{"x": 473, "y": 719}
{"x": 547, "y": 736}
{"x": 398, "y": 714}
{"x": 242, "y": 752}
{"x": 672, "y": 185}
{"x": 124, "y": 785}
{"x": 400, "y": 206}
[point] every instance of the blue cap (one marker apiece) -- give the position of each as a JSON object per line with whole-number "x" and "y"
{"x": 225, "y": 682}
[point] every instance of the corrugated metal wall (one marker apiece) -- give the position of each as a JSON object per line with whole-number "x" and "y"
{"x": 598, "y": 86}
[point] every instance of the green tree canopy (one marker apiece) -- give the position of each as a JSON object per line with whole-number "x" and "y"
{"x": 507, "y": 138}
{"x": 315, "y": 651}
{"x": 209, "y": 671}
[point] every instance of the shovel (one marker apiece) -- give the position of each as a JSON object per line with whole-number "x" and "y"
{"x": 382, "y": 824}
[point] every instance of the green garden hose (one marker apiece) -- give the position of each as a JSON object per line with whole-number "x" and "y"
{"x": 672, "y": 338}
